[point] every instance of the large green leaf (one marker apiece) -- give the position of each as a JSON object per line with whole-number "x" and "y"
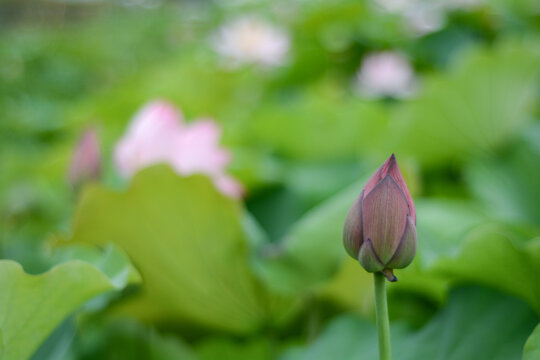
{"x": 495, "y": 256}
{"x": 508, "y": 183}
{"x": 188, "y": 242}
{"x": 33, "y": 305}
{"x": 113, "y": 338}
{"x": 476, "y": 324}
{"x": 229, "y": 349}
{"x": 483, "y": 101}
{"x": 319, "y": 124}
{"x": 311, "y": 251}
{"x": 532, "y": 346}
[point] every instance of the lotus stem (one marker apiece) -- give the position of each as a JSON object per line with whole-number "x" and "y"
{"x": 383, "y": 323}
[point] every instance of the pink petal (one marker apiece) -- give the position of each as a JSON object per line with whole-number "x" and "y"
{"x": 406, "y": 250}
{"x": 156, "y": 117}
{"x": 393, "y": 170}
{"x": 368, "y": 258}
{"x": 229, "y": 186}
{"x": 205, "y": 132}
{"x": 197, "y": 149}
{"x": 149, "y": 139}
{"x": 391, "y": 167}
{"x": 352, "y": 230}
{"x": 378, "y": 175}
{"x": 384, "y": 213}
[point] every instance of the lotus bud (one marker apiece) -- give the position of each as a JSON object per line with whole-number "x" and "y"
{"x": 86, "y": 163}
{"x": 380, "y": 228}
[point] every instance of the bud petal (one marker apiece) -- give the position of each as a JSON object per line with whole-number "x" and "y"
{"x": 368, "y": 257}
{"x": 377, "y": 177}
{"x": 393, "y": 170}
{"x": 385, "y": 211}
{"x": 390, "y": 167}
{"x": 352, "y": 230}
{"x": 406, "y": 249}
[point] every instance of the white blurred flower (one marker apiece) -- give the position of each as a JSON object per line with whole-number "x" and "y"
{"x": 425, "y": 16}
{"x": 250, "y": 40}
{"x": 385, "y": 74}
{"x": 462, "y": 4}
{"x": 158, "y": 134}
{"x": 395, "y": 6}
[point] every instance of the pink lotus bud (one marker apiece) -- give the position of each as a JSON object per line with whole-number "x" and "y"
{"x": 380, "y": 229}
{"x": 86, "y": 163}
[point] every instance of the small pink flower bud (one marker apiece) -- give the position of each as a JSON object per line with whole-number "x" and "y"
{"x": 380, "y": 228}
{"x": 86, "y": 163}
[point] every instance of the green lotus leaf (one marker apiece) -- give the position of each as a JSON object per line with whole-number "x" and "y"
{"x": 189, "y": 244}
{"x": 34, "y": 305}
{"x": 531, "y": 351}
{"x": 482, "y": 101}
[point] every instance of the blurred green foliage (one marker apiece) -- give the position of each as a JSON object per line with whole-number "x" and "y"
{"x": 471, "y": 311}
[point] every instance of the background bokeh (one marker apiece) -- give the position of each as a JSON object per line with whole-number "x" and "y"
{"x": 311, "y": 97}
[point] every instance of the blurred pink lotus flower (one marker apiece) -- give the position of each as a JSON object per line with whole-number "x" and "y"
{"x": 149, "y": 137}
{"x": 250, "y": 40}
{"x": 385, "y": 74}
{"x": 86, "y": 163}
{"x": 196, "y": 149}
{"x": 158, "y": 134}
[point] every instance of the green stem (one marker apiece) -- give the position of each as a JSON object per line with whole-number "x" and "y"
{"x": 383, "y": 324}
